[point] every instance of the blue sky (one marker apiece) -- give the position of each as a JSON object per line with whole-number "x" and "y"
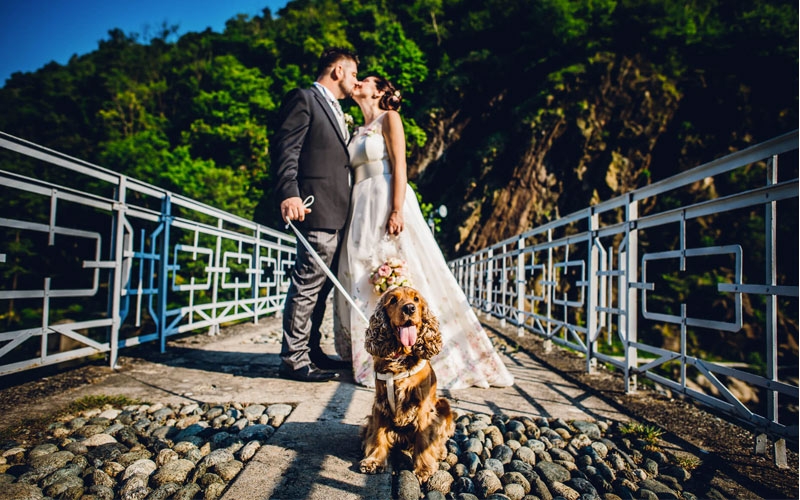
{"x": 35, "y": 32}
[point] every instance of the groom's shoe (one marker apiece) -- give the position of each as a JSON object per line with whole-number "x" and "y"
{"x": 308, "y": 373}
{"x": 324, "y": 362}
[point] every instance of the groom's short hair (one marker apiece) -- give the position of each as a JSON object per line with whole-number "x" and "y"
{"x": 331, "y": 56}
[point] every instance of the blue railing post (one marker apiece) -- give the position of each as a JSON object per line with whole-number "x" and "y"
{"x": 163, "y": 271}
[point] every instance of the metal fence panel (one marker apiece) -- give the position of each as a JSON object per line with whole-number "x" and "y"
{"x": 595, "y": 281}
{"x": 145, "y": 264}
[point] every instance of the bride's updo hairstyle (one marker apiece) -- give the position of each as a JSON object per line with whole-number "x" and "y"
{"x": 391, "y": 98}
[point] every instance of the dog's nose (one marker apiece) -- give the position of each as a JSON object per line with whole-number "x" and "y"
{"x": 409, "y": 308}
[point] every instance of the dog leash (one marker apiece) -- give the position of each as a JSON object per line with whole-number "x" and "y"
{"x": 307, "y": 203}
{"x": 390, "y": 377}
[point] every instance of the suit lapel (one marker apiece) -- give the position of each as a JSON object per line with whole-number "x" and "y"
{"x": 329, "y": 112}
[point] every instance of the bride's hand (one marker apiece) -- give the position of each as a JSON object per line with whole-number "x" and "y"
{"x": 395, "y": 225}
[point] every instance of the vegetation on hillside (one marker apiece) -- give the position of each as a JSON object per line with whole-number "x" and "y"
{"x": 495, "y": 91}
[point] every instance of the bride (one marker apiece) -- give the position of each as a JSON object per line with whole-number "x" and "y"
{"x": 387, "y": 226}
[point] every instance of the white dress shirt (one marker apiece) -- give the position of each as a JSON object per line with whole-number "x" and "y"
{"x": 335, "y": 107}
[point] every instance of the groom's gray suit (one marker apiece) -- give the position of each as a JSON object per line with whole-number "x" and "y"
{"x": 310, "y": 157}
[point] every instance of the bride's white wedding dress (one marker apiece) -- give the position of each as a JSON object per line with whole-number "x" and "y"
{"x": 467, "y": 357}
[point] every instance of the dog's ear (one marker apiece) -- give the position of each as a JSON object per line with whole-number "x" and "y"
{"x": 430, "y": 342}
{"x": 380, "y": 339}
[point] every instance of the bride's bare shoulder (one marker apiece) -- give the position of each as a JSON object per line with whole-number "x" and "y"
{"x": 391, "y": 119}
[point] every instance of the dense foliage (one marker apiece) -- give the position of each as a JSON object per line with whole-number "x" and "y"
{"x": 508, "y": 104}
{"x": 481, "y": 81}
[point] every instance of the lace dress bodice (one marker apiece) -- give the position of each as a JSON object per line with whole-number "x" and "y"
{"x": 368, "y": 154}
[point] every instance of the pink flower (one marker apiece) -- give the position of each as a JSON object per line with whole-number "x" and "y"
{"x": 391, "y": 273}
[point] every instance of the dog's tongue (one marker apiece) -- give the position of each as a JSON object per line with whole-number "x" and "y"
{"x": 408, "y": 335}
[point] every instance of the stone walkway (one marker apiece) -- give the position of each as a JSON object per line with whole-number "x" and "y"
{"x": 315, "y": 453}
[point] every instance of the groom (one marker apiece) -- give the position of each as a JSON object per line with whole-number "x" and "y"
{"x": 310, "y": 158}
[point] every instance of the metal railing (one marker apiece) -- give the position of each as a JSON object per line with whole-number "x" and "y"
{"x": 92, "y": 261}
{"x": 126, "y": 262}
{"x": 599, "y": 282}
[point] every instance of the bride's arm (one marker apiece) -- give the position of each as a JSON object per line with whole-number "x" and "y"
{"x": 396, "y": 147}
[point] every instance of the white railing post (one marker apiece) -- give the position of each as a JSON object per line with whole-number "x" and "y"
{"x": 520, "y": 286}
{"x": 489, "y": 288}
{"x": 549, "y": 293}
{"x": 592, "y": 293}
{"x": 770, "y": 253}
{"x": 119, "y": 252}
{"x": 629, "y": 319}
{"x": 471, "y": 277}
{"x": 255, "y": 275}
{"x": 502, "y": 283}
{"x": 217, "y": 281}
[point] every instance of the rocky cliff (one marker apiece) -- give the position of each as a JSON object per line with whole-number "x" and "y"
{"x": 591, "y": 134}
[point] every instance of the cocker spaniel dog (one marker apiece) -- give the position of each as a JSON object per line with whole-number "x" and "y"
{"x": 402, "y": 337}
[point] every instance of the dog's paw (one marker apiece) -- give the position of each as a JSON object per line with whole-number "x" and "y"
{"x": 369, "y": 466}
{"x": 423, "y": 475}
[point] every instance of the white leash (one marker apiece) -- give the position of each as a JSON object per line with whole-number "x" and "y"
{"x": 307, "y": 203}
{"x": 390, "y": 377}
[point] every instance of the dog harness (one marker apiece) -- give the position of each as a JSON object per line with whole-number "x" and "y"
{"x": 390, "y": 377}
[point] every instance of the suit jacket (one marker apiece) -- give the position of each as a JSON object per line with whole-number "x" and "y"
{"x": 310, "y": 157}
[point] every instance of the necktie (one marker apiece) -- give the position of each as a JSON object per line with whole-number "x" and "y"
{"x": 340, "y": 117}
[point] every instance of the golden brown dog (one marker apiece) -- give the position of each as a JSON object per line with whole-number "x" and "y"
{"x": 402, "y": 337}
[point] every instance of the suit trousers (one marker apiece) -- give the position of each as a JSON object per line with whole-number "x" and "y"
{"x": 305, "y": 301}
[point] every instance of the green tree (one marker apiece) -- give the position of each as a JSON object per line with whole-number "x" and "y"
{"x": 232, "y": 109}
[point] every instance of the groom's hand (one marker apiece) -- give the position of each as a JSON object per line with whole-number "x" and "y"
{"x": 293, "y": 209}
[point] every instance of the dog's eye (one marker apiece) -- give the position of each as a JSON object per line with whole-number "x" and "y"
{"x": 416, "y": 299}
{"x": 393, "y": 300}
